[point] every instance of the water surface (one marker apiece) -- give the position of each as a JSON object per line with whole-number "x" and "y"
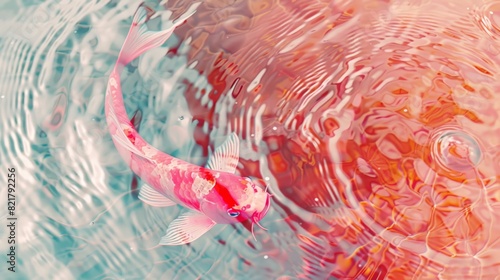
{"x": 374, "y": 122}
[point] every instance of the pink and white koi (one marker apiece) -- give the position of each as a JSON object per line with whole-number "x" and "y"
{"x": 212, "y": 194}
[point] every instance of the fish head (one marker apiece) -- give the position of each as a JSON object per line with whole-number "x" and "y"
{"x": 252, "y": 204}
{"x": 236, "y": 199}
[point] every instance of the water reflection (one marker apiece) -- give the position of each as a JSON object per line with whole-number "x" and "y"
{"x": 378, "y": 124}
{"x": 374, "y": 122}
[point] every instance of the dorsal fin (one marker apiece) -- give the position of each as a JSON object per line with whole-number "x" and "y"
{"x": 226, "y": 156}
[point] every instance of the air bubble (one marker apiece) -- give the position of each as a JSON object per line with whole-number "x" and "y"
{"x": 456, "y": 150}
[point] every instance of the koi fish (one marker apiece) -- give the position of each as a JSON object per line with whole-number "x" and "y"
{"x": 213, "y": 194}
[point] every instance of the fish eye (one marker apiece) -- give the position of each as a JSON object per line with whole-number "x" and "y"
{"x": 233, "y": 213}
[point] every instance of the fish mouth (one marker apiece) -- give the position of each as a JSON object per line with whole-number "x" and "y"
{"x": 261, "y": 202}
{"x": 262, "y": 213}
{"x": 257, "y": 216}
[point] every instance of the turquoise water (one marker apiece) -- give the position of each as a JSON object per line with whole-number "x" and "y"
{"x": 375, "y": 124}
{"x": 77, "y": 216}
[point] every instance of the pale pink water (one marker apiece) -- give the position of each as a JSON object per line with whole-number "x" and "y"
{"x": 374, "y": 122}
{"x": 379, "y": 122}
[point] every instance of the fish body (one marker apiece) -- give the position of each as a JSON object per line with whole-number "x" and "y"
{"x": 213, "y": 194}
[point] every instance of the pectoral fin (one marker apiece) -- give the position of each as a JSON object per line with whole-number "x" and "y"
{"x": 226, "y": 156}
{"x": 187, "y": 228}
{"x": 152, "y": 197}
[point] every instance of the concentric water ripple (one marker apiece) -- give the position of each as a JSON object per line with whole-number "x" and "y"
{"x": 375, "y": 124}
{"x": 380, "y": 124}
{"x": 79, "y": 216}
{"x": 456, "y": 150}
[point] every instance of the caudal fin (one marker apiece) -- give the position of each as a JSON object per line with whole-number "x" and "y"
{"x": 141, "y": 39}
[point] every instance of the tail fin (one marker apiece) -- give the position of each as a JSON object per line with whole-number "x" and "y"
{"x": 140, "y": 39}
